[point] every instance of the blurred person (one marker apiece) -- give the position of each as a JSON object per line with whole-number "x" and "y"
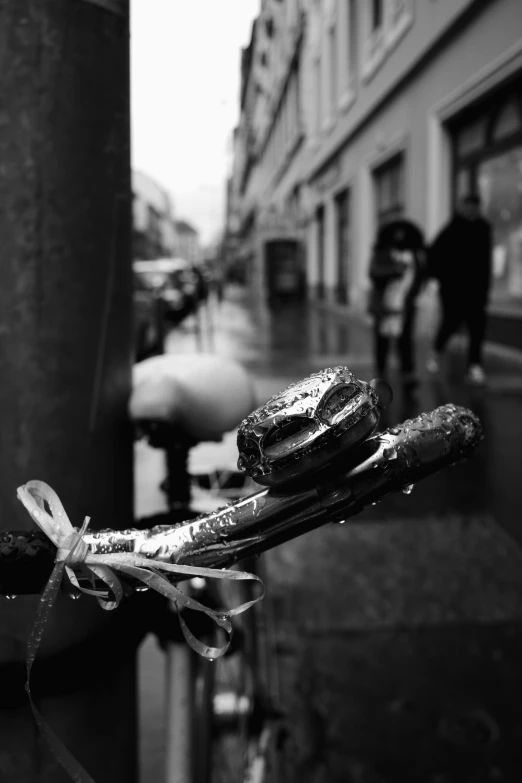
{"x": 460, "y": 260}
{"x": 397, "y": 271}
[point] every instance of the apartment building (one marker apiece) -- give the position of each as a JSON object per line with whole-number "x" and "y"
{"x": 415, "y": 103}
{"x": 187, "y": 246}
{"x": 269, "y": 153}
{"x": 153, "y": 226}
{"x": 354, "y": 111}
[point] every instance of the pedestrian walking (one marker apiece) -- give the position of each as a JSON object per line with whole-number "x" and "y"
{"x": 460, "y": 260}
{"x": 397, "y": 271}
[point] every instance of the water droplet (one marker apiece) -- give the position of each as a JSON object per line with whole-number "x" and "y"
{"x": 394, "y": 431}
{"x": 141, "y": 589}
{"x": 74, "y": 596}
{"x": 389, "y": 454}
{"x": 408, "y": 489}
{"x": 11, "y": 597}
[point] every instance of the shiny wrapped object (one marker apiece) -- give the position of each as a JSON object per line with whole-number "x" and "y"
{"x": 389, "y": 461}
{"x": 305, "y": 428}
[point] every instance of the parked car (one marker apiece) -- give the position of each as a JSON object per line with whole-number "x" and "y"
{"x": 149, "y": 319}
{"x": 177, "y": 282}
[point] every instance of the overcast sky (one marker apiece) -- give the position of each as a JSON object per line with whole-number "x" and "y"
{"x": 185, "y": 60}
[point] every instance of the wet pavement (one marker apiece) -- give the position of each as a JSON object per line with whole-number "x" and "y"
{"x": 398, "y": 636}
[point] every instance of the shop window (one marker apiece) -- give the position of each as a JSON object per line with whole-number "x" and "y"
{"x": 471, "y": 138}
{"x": 464, "y": 184}
{"x": 389, "y": 190}
{"x": 488, "y": 157}
{"x": 508, "y": 122}
{"x": 500, "y": 183}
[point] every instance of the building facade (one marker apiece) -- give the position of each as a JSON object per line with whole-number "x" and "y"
{"x": 153, "y": 225}
{"x": 417, "y": 102}
{"x": 367, "y": 110}
{"x": 188, "y": 246}
{"x": 269, "y": 151}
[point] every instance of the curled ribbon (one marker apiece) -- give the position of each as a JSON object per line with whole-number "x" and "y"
{"x": 73, "y": 555}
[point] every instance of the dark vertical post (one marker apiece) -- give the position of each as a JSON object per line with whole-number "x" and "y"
{"x": 65, "y": 359}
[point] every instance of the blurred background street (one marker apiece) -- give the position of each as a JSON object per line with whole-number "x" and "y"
{"x": 398, "y": 635}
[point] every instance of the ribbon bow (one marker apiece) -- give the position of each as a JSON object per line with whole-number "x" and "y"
{"x": 73, "y": 555}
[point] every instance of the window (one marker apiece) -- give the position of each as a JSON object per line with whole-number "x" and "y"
{"x": 389, "y": 190}
{"x": 342, "y": 219}
{"x": 347, "y": 53}
{"x": 400, "y": 17}
{"x": 319, "y": 218}
{"x": 374, "y": 44}
{"x": 500, "y": 184}
{"x": 508, "y": 121}
{"x": 377, "y": 15}
{"x": 318, "y": 92}
{"x": 464, "y": 183}
{"x": 386, "y": 21}
{"x": 154, "y": 229}
{"x": 352, "y": 39}
{"x": 334, "y": 91}
{"x": 471, "y": 137}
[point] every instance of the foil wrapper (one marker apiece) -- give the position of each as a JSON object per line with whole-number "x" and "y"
{"x": 385, "y": 462}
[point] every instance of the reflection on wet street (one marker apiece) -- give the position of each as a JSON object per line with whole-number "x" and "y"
{"x": 293, "y": 338}
{"x": 397, "y": 636}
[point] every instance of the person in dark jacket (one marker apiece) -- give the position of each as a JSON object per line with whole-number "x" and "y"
{"x": 397, "y": 272}
{"x": 460, "y": 259}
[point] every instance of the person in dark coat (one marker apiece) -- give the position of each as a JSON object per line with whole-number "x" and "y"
{"x": 460, "y": 260}
{"x": 397, "y": 272}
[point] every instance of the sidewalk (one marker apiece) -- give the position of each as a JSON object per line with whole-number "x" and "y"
{"x": 398, "y": 635}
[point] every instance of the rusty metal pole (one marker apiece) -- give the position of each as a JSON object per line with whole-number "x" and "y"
{"x": 65, "y": 360}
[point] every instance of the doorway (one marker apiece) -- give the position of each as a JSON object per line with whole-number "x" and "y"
{"x": 284, "y": 271}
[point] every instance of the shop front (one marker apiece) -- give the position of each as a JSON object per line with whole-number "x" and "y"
{"x": 281, "y": 256}
{"x": 487, "y": 158}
